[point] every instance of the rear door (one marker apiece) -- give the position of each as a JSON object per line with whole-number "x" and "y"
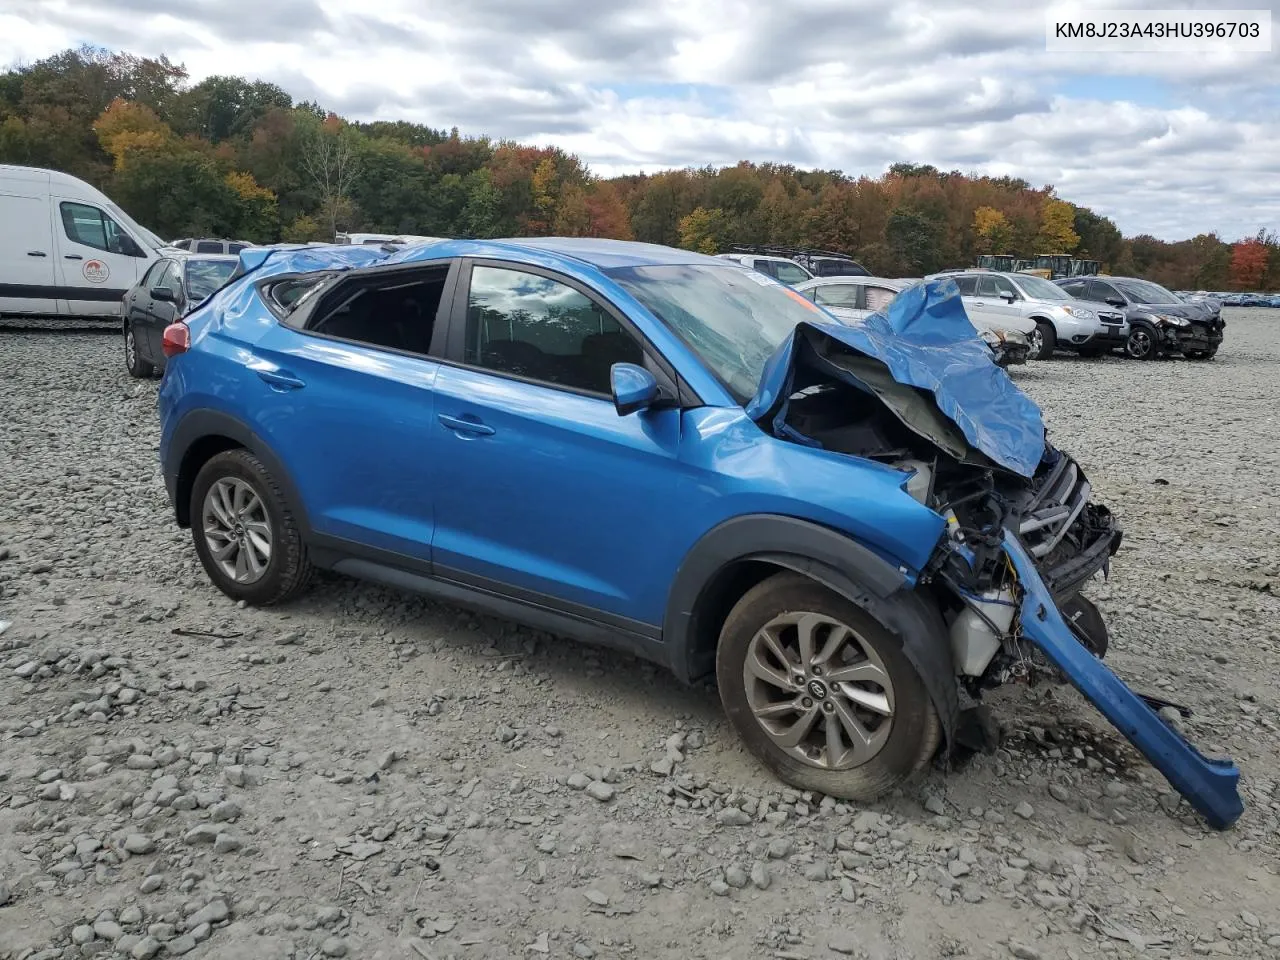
{"x": 348, "y": 404}
{"x": 97, "y": 260}
{"x": 26, "y": 256}
{"x": 545, "y": 492}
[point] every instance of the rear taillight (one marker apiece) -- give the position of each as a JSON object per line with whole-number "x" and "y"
{"x": 177, "y": 339}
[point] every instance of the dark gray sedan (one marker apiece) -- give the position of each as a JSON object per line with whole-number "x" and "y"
{"x": 175, "y": 285}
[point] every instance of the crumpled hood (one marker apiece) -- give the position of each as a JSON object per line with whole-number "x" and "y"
{"x": 926, "y": 340}
{"x": 1191, "y": 311}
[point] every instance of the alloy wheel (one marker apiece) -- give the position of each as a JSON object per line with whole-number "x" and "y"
{"x": 1140, "y": 344}
{"x": 237, "y": 530}
{"x": 130, "y": 349}
{"x": 1036, "y": 339}
{"x": 818, "y": 690}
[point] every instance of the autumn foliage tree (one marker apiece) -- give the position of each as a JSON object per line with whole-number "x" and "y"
{"x": 238, "y": 157}
{"x": 1249, "y": 263}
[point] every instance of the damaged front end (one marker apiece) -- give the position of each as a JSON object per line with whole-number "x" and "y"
{"x": 1008, "y": 348}
{"x": 910, "y": 389}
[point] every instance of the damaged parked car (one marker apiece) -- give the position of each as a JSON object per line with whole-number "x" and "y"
{"x": 1160, "y": 323}
{"x": 855, "y": 298}
{"x": 853, "y": 529}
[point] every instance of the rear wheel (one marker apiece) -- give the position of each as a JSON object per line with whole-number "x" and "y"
{"x": 245, "y": 535}
{"x": 1044, "y": 340}
{"x": 821, "y": 693}
{"x": 133, "y": 361}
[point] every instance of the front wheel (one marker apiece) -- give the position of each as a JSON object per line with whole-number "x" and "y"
{"x": 1044, "y": 340}
{"x": 245, "y": 535}
{"x": 133, "y": 361}
{"x": 1142, "y": 344}
{"x": 821, "y": 693}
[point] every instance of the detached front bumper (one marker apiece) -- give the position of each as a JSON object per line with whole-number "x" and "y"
{"x": 1211, "y": 786}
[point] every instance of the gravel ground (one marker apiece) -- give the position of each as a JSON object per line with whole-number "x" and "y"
{"x": 371, "y": 775}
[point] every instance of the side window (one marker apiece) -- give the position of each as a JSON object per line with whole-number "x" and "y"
{"x": 987, "y": 287}
{"x": 235, "y": 247}
{"x": 90, "y": 226}
{"x": 878, "y": 298}
{"x": 1075, "y": 288}
{"x": 1005, "y": 288}
{"x": 1102, "y": 292}
{"x": 767, "y": 267}
{"x": 848, "y": 295}
{"x": 209, "y": 246}
{"x": 968, "y": 286}
{"x": 395, "y": 311}
{"x": 535, "y": 327}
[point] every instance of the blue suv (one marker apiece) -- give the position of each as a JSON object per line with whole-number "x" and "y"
{"x": 852, "y": 529}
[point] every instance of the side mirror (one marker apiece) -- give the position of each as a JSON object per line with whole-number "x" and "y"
{"x": 1008, "y": 297}
{"x": 1115, "y": 301}
{"x": 164, "y": 294}
{"x": 634, "y": 388}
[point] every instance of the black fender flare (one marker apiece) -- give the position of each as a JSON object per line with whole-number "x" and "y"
{"x": 202, "y": 424}
{"x": 830, "y": 557}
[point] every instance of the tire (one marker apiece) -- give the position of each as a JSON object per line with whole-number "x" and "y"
{"x": 287, "y": 569}
{"x": 898, "y": 751}
{"x": 1143, "y": 343}
{"x": 133, "y": 361}
{"x": 1044, "y": 340}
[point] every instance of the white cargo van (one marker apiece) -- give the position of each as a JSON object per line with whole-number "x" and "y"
{"x": 65, "y": 249}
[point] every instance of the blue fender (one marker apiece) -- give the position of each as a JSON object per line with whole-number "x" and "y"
{"x": 1208, "y": 785}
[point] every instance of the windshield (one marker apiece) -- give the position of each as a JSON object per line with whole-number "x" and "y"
{"x": 147, "y": 237}
{"x": 1041, "y": 289}
{"x": 206, "y": 276}
{"x": 1144, "y": 291}
{"x": 733, "y": 317}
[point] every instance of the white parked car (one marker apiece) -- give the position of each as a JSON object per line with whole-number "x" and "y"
{"x": 780, "y": 268}
{"x": 65, "y": 249}
{"x": 854, "y": 298}
{"x": 375, "y": 239}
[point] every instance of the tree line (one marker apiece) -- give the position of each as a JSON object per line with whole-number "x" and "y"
{"x": 238, "y": 158}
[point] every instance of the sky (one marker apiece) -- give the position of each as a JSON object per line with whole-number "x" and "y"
{"x": 1166, "y": 144}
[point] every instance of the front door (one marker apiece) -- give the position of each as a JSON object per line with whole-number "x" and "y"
{"x": 97, "y": 260}
{"x": 544, "y": 491}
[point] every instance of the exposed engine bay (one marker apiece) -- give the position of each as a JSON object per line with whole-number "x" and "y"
{"x": 1070, "y": 537}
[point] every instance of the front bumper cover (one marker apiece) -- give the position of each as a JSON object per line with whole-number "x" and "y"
{"x": 1211, "y": 786}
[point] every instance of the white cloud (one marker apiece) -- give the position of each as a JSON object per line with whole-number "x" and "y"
{"x": 1168, "y": 145}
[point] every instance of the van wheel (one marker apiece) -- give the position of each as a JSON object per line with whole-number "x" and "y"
{"x": 821, "y": 693}
{"x": 245, "y": 535}
{"x": 1044, "y": 340}
{"x": 133, "y": 362}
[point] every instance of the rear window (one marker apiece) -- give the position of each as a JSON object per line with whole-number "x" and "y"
{"x": 208, "y": 246}
{"x": 204, "y": 277}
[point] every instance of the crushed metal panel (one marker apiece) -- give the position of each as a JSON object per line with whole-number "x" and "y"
{"x": 925, "y": 340}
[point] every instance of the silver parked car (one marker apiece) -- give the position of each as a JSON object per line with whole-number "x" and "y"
{"x": 854, "y": 298}
{"x": 1061, "y": 322}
